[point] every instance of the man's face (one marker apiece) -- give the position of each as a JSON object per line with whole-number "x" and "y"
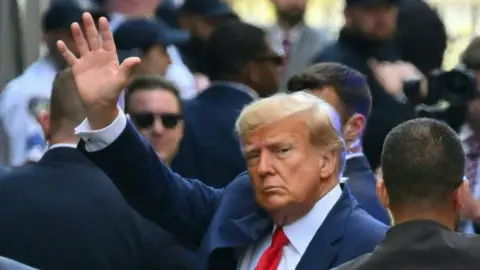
{"x": 155, "y": 61}
{"x": 285, "y": 169}
{"x": 156, "y": 114}
{"x": 377, "y": 22}
{"x": 263, "y": 72}
{"x": 51, "y": 39}
{"x": 290, "y": 11}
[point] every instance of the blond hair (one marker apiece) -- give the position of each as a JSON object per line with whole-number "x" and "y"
{"x": 321, "y": 118}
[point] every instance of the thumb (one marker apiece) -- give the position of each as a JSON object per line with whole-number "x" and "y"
{"x": 126, "y": 67}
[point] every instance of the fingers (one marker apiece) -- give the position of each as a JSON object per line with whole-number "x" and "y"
{"x": 91, "y": 32}
{"x": 127, "y": 66}
{"x": 80, "y": 41}
{"x": 106, "y": 34}
{"x": 66, "y": 53}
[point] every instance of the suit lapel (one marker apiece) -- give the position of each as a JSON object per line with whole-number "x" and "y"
{"x": 324, "y": 243}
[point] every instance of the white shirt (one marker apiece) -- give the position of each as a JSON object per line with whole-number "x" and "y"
{"x": 177, "y": 71}
{"x": 278, "y": 35}
{"x": 20, "y": 132}
{"x": 299, "y": 233}
{"x": 465, "y": 134}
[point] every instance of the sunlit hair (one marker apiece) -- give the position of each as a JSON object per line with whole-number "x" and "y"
{"x": 321, "y": 119}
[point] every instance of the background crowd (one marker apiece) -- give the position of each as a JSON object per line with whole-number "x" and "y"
{"x": 155, "y": 134}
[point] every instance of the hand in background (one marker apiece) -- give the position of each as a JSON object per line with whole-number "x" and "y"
{"x": 98, "y": 75}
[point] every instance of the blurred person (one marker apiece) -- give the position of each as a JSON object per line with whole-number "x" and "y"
{"x": 21, "y": 135}
{"x": 423, "y": 186}
{"x": 64, "y": 212}
{"x": 123, "y": 10}
{"x": 155, "y": 109}
{"x": 200, "y": 18}
{"x": 421, "y": 37}
{"x": 168, "y": 12}
{"x": 347, "y": 91}
{"x": 291, "y": 210}
{"x": 469, "y": 133}
{"x": 242, "y": 67}
{"x": 298, "y": 41}
{"x": 366, "y": 43}
{"x": 152, "y": 38}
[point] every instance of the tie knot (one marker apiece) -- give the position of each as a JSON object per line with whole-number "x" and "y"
{"x": 279, "y": 239}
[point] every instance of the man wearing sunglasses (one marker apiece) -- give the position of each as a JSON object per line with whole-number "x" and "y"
{"x": 155, "y": 108}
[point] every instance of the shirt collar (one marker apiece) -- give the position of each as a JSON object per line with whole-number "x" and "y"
{"x": 301, "y": 232}
{"x": 239, "y": 86}
{"x": 294, "y": 34}
{"x": 58, "y": 145}
{"x": 465, "y": 133}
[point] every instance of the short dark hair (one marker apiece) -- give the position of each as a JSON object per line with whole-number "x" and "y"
{"x": 65, "y": 104}
{"x": 151, "y": 82}
{"x": 350, "y": 85}
{"x": 231, "y": 46}
{"x": 422, "y": 163}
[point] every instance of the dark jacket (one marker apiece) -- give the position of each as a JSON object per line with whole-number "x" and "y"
{"x": 421, "y": 245}
{"x": 362, "y": 182}
{"x": 210, "y": 149}
{"x": 3, "y": 171}
{"x": 355, "y": 51}
{"x": 225, "y": 221}
{"x": 64, "y": 213}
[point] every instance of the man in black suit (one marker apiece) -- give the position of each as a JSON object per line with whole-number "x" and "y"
{"x": 423, "y": 165}
{"x": 347, "y": 91}
{"x": 242, "y": 67}
{"x": 64, "y": 213}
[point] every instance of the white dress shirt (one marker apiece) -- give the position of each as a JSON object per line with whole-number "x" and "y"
{"x": 20, "y": 133}
{"x": 300, "y": 234}
{"x": 278, "y": 36}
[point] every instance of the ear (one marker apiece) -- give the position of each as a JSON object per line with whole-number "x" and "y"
{"x": 382, "y": 193}
{"x": 328, "y": 164}
{"x": 463, "y": 199}
{"x": 354, "y": 127}
{"x": 44, "y": 120}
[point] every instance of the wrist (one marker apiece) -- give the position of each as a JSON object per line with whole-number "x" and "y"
{"x": 101, "y": 118}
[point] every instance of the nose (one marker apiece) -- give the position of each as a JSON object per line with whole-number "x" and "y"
{"x": 265, "y": 164}
{"x": 158, "y": 127}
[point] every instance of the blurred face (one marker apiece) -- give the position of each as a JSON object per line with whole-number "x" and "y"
{"x": 377, "y": 22}
{"x": 155, "y": 61}
{"x": 51, "y": 39}
{"x": 352, "y": 125}
{"x": 156, "y": 114}
{"x": 290, "y": 11}
{"x": 262, "y": 72}
{"x": 287, "y": 173}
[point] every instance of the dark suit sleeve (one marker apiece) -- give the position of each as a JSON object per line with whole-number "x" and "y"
{"x": 181, "y": 206}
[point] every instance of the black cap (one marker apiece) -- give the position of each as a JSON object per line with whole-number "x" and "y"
{"x": 354, "y": 3}
{"x": 207, "y": 8}
{"x": 61, "y": 14}
{"x": 136, "y": 34}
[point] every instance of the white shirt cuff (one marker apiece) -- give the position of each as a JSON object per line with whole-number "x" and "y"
{"x": 96, "y": 140}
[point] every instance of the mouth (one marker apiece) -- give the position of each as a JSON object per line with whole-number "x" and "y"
{"x": 272, "y": 189}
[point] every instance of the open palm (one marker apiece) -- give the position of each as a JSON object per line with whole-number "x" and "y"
{"x": 98, "y": 76}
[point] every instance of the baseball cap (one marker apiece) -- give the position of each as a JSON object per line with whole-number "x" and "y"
{"x": 136, "y": 34}
{"x": 61, "y": 14}
{"x": 353, "y": 3}
{"x": 207, "y": 8}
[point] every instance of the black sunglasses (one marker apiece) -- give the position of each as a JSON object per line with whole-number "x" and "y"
{"x": 146, "y": 119}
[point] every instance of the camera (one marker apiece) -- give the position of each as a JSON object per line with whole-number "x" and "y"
{"x": 448, "y": 94}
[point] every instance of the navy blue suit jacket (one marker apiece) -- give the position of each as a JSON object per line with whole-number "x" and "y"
{"x": 221, "y": 221}
{"x": 3, "y": 171}
{"x": 362, "y": 182}
{"x": 210, "y": 149}
{"x": 64, "y": 213}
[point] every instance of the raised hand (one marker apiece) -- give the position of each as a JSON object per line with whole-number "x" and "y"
{"x": 98, "y": 75}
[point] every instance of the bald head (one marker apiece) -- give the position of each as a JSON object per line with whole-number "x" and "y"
{"x": 66, "y": 110}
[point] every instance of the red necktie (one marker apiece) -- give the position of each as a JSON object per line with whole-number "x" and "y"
{"x": 271, "y": 257}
